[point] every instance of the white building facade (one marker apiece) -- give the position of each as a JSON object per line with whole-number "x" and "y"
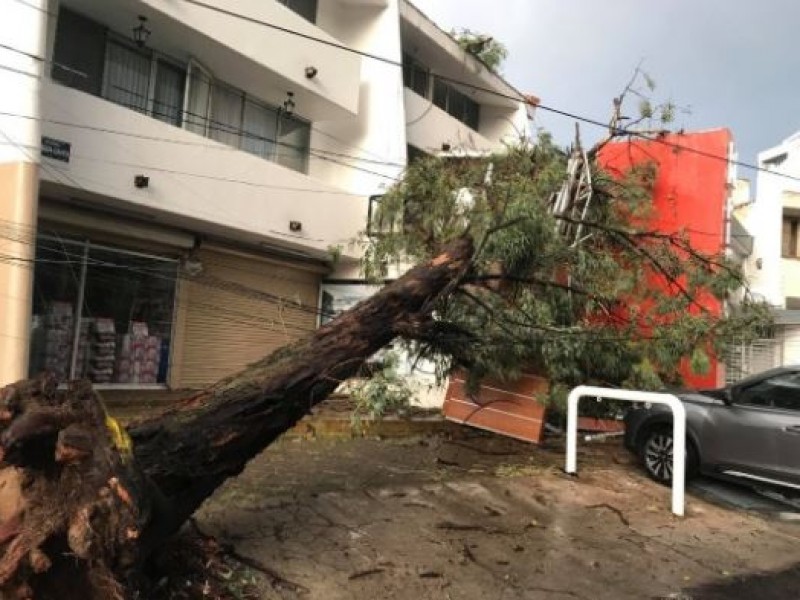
{"x": 176, "y": 172}
{"x": 773, "y": 269}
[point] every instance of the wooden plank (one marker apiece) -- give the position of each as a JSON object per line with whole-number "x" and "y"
{"x": 510, "y": 409}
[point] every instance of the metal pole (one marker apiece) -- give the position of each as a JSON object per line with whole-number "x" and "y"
{"x": 76, "y": 335}
{"x": 678, "y": 432}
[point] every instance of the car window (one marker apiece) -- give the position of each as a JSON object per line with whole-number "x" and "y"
{"x": 781, "y": 391}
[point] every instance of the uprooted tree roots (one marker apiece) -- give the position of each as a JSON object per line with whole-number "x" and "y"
{"x": 79, "y": 494}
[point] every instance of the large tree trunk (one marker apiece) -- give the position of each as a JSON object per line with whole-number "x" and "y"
{"x": 75, "y": 484}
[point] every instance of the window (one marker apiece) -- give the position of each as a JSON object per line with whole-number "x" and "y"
{"x": 255, "y": 127}
{"x": 121, "y": 332}
{"x": 305, "y": 8}
{"x": 80, "y": 65}
{"x": 416, "y": 76}
{"x": 458, "y": 105}
{"x": 168, "y": 93}
{"x": 782, "y": 391}
{"x": 127, "y": 76}
{"x": 198, "y": 99}
{"x": 90, "y": 58}
{"x": 789, "y": 238}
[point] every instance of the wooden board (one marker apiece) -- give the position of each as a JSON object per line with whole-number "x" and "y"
{"x": 512, "y": 409}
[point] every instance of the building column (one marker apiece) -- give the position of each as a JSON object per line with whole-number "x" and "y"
{"x": 22, "y": 35}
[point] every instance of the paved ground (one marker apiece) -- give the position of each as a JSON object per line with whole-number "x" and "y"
{"x": 479, "y": 516}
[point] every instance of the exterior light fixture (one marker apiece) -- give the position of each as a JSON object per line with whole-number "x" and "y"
{"x": 295, "y": 226}
{"x": 289, "y": 104}
{"x": 141, "y": 33}
{"x": 311, "y": 72}
{"x": 141, "y": 181}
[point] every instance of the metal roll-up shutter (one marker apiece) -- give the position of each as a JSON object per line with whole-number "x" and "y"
{"x": 237, "y": 310}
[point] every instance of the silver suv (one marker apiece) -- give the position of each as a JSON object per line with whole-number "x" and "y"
{"x": 749, "y": 431}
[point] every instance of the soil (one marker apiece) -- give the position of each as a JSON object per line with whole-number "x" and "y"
{"x": 471, "y": 515}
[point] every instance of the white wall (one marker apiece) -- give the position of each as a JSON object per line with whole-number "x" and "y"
{"x": 373, "y": 142}
{"x": 195, "y": 182}
{"x": 764, "y": 221}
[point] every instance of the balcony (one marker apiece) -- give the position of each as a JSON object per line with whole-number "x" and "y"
{"x": 195, "y": 184}
{"x": 432, "y": 130}
{"x": 265, "y": 54}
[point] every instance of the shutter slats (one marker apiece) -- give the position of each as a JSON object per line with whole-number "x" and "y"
{"x": 228, "y": 329}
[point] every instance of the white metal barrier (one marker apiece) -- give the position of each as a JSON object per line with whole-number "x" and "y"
{"x": 678, "y": 431}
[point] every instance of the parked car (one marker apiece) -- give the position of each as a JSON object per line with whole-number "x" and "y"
{"x": 749, "y": 431}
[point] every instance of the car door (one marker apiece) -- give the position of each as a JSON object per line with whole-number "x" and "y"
{"x": 759, "y": 433}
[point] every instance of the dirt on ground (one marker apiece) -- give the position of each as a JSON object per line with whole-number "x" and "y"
{"x": 473, "y": 515}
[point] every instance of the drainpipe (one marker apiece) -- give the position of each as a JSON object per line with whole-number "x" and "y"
{"x": 22, "y": 34}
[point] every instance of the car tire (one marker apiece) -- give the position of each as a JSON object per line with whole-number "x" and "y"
{"x": 655, "y": 452}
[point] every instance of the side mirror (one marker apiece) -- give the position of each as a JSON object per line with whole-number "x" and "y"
{"x": 730, "y": 395}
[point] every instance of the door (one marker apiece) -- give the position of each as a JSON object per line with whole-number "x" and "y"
{"x": 760, "y": 432}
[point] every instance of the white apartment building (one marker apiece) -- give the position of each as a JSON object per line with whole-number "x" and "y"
{"x": 174, "y": 173}
{"x": 773, "y": 269}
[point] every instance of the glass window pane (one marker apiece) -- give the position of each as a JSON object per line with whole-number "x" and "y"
{"x": 79, "y": 52}
{"x": 260, "y": 124}
{"x": 129, "y": 301}
{"x": 472, "y": 114}
{"x": 226, "y": 115}
{"x": 127, "y": 76}
{"x": 199, "y": 102}
{"x": 168, "y": 96}
{"x": 420, "y": 84}
{"x": 440, "y": 93}
{"x": 786, "y": 237}
{"x": 55, "y": 293}
{"x": 293, "y": 143}
{"x": 455, "y": 104}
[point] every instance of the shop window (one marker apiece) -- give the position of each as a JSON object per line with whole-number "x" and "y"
{"x": 122, "y": 332}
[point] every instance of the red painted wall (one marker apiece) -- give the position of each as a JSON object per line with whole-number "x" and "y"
{"x": 690, "y": 195}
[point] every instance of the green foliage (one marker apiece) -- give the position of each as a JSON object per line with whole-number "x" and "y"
{"x": 485, "y": 48}
{"x": 385, "y": 392}
{"x": 599, "y": 299}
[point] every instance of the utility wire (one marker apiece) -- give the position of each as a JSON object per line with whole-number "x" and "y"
{"x": 516, "y": 98}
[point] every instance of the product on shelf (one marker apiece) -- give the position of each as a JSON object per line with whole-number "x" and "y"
{"x": 103, "y": 350}
{"x": 138, "y": 355}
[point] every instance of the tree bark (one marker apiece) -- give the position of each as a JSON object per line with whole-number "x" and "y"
{"x": 74, "y": 482}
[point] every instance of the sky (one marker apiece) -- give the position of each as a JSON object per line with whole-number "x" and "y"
{"x": 724, "y": 63}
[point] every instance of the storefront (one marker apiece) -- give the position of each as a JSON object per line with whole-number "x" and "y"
{"x": 123, "y": 332}
{"x": 158, "y": 307}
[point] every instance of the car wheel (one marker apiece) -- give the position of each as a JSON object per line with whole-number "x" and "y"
{"x": 656, "y": 455}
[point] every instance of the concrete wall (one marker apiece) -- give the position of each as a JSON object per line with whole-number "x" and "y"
{"x": 691, "y": 193}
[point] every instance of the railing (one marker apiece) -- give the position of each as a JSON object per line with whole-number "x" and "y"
{"x": 678, "y": 432}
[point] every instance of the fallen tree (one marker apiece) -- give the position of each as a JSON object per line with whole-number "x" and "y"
{"x": 111, "y": 497}
{"x": 514, "y": 267}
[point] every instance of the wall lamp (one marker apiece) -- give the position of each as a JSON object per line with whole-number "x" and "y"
{"x": 141, "y": 181}
{"x": 311, "y": 72}
{"x": 295, "y": 226}
{"x": 141, "y": 33}
{"x": 289, "y": 104}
